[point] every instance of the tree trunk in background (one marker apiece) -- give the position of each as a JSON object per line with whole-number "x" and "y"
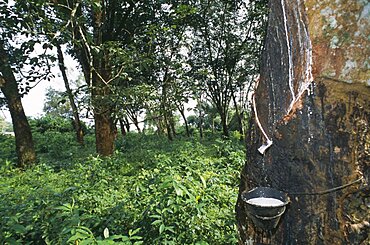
{"x": 104, "y": 123}
{"x": 225, "y": 127}
{"x": 103, "y": 110}
{"x": 76, "y": 117}
{"x": 200, "y": 123}
{"x": 313, "y": 103}
{"x": 127, "y": 124}
{"x": 168, "y": 126}
{"x": 172, "y": 124}
{"x": 122, "y": 127}
{"x": 136, "y": 123}
{"x": 165, "y": 110}
{"x": 22, "y": 130}
{"x": 239, "y": 116}
{"x": 182, "y": 113}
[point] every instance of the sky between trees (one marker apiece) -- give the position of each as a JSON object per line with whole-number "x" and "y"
{"x": 33, "y": 102}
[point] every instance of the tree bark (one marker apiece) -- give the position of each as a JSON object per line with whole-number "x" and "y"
{"x": 97, "y": 72}
{"x": 238, "y": 115}
{"x": 168, "y": 126}
{"x": 122, "y": 127}
{"x": 22, "y": 130}
{"x": 312, "y": 101}
{"x": 201, "y": 117}
{"x": 127, "y": 123}
{"x": 103, "y": 111}
{"x": 104, "y": 123}
{"x": 76, "y": 117}
{"x": 172, "y": 124}
{"x": 165, "y": 110}
{"x": 225, "y": 127}
{"x": 182, "y": 113}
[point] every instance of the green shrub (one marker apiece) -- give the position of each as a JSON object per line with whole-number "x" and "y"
{"x": 151, "y": 191}
{"x": 51, "y": 123}
{"x": 54, "y": 123}
{"x": 7, "y": 149}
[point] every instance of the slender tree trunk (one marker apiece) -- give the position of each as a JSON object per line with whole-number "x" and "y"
{"x": 136, "y": 123}
{"x": 76, "y": 117}
{"x": 165, "y": 111}
{"x": 213, "y": 126}
{"x": 127, "y": 124}
{"x": 172, "y": 124}
{"x": 182, "y": 113}
{"x": 22, "y": 130}
{"x": 159, "y": 123}
{"x": 133, "y": 115}
{"x": 312, "y": 101}
{"x": 225, "y": 127}
{"x": 168, "y": 126}
{"x": 122, "y": 126}
{"x": 200, "y": 124}
{"x": 238, "y": 115}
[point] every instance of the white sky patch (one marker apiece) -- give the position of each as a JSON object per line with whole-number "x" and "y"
{"x": 33, "y": 102}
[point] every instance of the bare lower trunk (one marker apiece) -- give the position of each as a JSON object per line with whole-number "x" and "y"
{"x": 22, "y": 130}
{"x": 238, "y": 115}
{"x": 105, "y": 130}
{"x": 185, "y": 122}
{"x": 319, "y": 126}
{"x": 172, "y": 124}
{"x": 200, "y": 124}
{"x": 225, "y": 127}
{"x": 136, "y": 123}
{"x": 122, "y": 127}
{"x": 168, "y": 126}
{"x": 104, "y": 133}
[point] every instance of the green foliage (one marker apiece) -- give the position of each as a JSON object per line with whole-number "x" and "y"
{"x": 5, "y": 126}
{"x": 7, "y": 149}
{"x": 57, "y": 103}
{"x": 55, "y": 124}
{"x": 150, "y": 192}
{"x": 51, "y": 123}
{"x": 55, "y": 141}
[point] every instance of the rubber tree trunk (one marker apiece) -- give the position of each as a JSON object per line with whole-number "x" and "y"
{"x": 105, "y": 130}
{"x": 312, "y": 102}
{"x": 225, "y": 127}
{"x": 201, "y": 120}
{"x": 104, "y": 123}
{"x": 239, "y": 115}
{"x": 165, "y": 108}
{"x": 181, "y": 109}
{"x": 22, "y": 130}
{"x": 122, "y": 127}
{"x": 76, "y": 116}
{"x": 172, "y": 124}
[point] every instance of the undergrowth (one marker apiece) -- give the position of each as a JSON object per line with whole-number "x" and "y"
{"x": 151, "y": 191}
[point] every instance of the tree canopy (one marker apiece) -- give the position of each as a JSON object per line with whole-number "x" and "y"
{"x": 141, "y": 57}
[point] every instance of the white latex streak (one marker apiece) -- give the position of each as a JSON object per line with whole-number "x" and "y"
{"x": 291, "y": 87}
{"x": 308, "y": 73}
{"x": 268, "y": 143}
